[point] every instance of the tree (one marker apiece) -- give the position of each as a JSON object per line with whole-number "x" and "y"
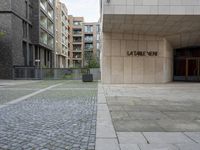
{"x": 93, "y": 63}
{"x": 2, "y": 34}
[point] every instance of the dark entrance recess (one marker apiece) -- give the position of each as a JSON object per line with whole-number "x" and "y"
{"x": 187, "y": 64}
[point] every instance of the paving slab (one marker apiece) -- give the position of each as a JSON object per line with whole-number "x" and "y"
{"x": 188, "y": 146}
{"x": 187, "y": 125}
{"x": 129, "y": 147}
{"x": 158, "y": 147}
{"x": 107, "y": 144}
{"x": 136, "y": 126}
{"x": 167, "y": 138}
{"x": 190, "y": 115}
{"x": 131, "y": 138}
{"x": 119, "y": 115}
{"x": 147, "y": 115}
{"x": 194, "y": 135}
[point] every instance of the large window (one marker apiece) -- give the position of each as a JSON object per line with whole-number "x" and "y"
{"x": 88, "y": 28}
{"x": 77, "y": 23}
{"x": 88, "y": 38}
{"x": 25, "y": 34}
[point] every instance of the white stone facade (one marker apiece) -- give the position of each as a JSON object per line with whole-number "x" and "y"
{"x": 174, "y": 7}
{"x": 117, "y": 67}
{"x": 146, "y": 25}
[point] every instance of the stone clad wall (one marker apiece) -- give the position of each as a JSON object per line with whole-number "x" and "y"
{"x": 151, "y": 7}
{"x": 118, "y": 67}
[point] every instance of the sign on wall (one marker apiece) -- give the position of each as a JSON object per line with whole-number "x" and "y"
{"x": 142, "y": 53}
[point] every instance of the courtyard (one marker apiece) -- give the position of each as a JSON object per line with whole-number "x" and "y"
{"x": 71, "y": 115}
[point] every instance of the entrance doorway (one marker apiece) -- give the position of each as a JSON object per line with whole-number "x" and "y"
{"x": 187, "y": 64}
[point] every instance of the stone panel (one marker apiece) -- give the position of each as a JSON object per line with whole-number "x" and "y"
{"x": 117, "y": 70}
{"x": 138, "y": 70}
{"x": 127, "y": 70}
{"x": 149, "y": 70}
{"x": 122, "y": 68}
{"x": 106, "y": 70}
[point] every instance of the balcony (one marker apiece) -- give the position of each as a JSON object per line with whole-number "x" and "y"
{"x": 89, "y": 39}
{"x": 50, "y": 26}
{"x": 77, "y": 23}
{"x": 89, "y": 29}
{"x": 50, "y": 12}
{"x": 77, "y": 39}
{"x": 43, "y": 37}
{"x": 77, "y": 47}
{"x": 43, "y": 4}
{"x": 89, "y": 47}
{"x": 51, "y": 1}
{"x": 77, "y": 55}
{"x": 50, "y": 41}
{"x": 43, "y": 20}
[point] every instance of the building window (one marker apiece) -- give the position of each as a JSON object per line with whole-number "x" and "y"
{"x": 43, "y": 4}
{"x": 30, "y": 32}
{"x": 98, "y": 37}
{"x": 77, "y": 23}
{"x": 98, "y": 28}
{"x": 30, "y": 12}
{"x": 89, "y": 38}
{"x": 43, "y": 37}
{"x": 89, "y": 47}
{"x": 25, "y": 53}
{"x": 89, "y": 28}
{"x": 98, "y": 46}
{"x": 26, "y": 7}
{"x": 24, "y": 29}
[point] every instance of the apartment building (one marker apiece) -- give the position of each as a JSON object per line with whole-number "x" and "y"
{"x": 76, "y": 32}
{"x": 91, "y": 42}
{"x": 43, "y": 35}
{"x": 150, "y": 41}
{"x": 29, "y": 34}
{"x": 62, "y": 34}
{"x": 16, "y": 47}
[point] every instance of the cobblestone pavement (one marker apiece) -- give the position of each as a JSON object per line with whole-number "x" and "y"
{"x": 62, "y": 118}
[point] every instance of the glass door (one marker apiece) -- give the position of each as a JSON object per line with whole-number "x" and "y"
{"x": 193, "y": 69}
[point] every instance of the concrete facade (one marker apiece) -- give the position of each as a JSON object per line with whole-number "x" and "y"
{"x": 143, "y": 26}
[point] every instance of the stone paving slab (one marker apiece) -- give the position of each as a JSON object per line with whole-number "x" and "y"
{"x": 158, "y": 147}
{"x": 154, "y": 117}
{"x": 131, "y": 138}
{"x": 167, "y": 138}
{"x": 129, "y": 147}
{"x": 194, "y": 135}
{"x": 179, "y": 125}
{"x": 188, "y": 146}
{"x": 107, "y": 144}
{"x": 136, "y": 126}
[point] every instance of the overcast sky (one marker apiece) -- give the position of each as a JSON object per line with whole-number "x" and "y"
{"x": 89, "y": 9}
